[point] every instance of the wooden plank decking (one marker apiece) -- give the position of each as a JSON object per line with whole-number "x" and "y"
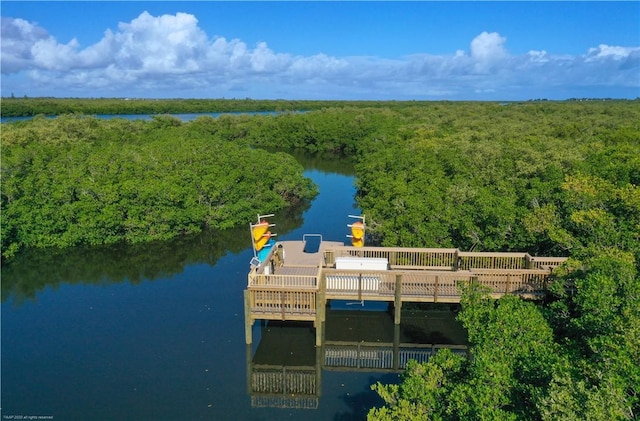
{"x": 295, "y": 256}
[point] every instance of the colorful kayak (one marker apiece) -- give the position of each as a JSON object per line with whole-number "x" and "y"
{"x": 260, "y": 229}
{"x": 260, "y": 243}
{"x": 357, "y": 230}
{"x": 262, "y": 254}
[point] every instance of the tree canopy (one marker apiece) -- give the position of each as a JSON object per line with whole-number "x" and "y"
{"x": 81, "y": 180}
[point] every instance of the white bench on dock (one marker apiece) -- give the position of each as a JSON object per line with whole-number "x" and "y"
{"x": 353, "y": 281}
{"x": 361, "y": 263}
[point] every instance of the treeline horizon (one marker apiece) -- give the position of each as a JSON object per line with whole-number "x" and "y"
{"x": 31, "y": 106}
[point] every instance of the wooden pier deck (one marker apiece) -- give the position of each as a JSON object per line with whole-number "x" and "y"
{"x": 296, "y": 280}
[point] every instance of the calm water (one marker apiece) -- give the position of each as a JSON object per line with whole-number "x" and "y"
{"x": 156, "y": 332}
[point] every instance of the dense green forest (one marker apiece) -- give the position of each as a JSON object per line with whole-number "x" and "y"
{"x": 554, "y": 178}
{"x": 80, "y": 180}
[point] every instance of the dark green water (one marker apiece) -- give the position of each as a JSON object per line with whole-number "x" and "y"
{"x": 156, "y": 332}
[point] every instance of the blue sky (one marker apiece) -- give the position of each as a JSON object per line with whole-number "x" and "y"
{"x": 321, "y": 50}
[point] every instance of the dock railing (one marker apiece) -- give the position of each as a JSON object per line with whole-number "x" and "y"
{"x": 299, "y": 292}
{"x": 283, "y": 281}
{"x": 430, "y": 286}
{"x": 530, "y": 282}
{"x": 276, "y": 303}
{"x": 398, "y": 257}
{"x": 470, "y": 260}
{"x": 443, "y": 259}
{"x": 545, "y": 262}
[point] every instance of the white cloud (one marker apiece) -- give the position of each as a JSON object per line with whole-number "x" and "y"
{"x": 49, "y": 54}
{"x": 18, "y": 37}
{"x": 605, "y": 52}
{"x": 170, "y": 55}
{"x": 488, "y": 47}
{"x": 165, "y": 44}
{"x": 538, "y": 56}
{"x": 319, "y": 65}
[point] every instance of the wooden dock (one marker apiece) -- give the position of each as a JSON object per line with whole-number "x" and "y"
{"x": 295, "y": 281}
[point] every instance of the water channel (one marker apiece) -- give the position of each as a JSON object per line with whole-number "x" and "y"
{"x": 147, "y": 117}
{"x": 156, "y": 331}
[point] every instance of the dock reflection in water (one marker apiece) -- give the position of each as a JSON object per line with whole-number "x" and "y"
{"x": 286, "y": 369}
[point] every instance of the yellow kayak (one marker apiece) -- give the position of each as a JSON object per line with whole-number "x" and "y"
{"x": 357, "y": 230}
{"x": 260, "y": 229}
{"x": 262, "y": 240}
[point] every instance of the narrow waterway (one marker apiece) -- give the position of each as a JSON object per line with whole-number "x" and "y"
{"x": 156, "y": 331}
{"x": 183, "y": 117}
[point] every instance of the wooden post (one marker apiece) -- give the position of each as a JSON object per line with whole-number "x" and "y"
{"x": 528, "y": 261}
{"x": 396, "y": 346}
{"x": 248, "y": 321}
{"x": 319, "y": 333}
{"x": 319, "y": 366}
{"x": 249, "y": 370}
{"x": 397, "y": 302}
{"x": 321, "y": 302}
{"x": 321, "y": 309}
{"x": 508, "y": 283}
{"x": 329, "y": 258}
{"x": 435, "y": 290}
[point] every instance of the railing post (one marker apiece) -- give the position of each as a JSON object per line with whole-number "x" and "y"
{"x": 397, "y": 302}
{"x": 474, "y": 280}
{"x": 508, "y": 283}
{"x": 319, "y": 333}
{"x": 282, "y": 300}
{"x": 528, "y": 260}
{"x": 435, "y": 290}
{"x": 321, "y": 302}
{"x": 329, "y": 258}
{"x": 545, "y": 282}
{"x": 396, "y": 346}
